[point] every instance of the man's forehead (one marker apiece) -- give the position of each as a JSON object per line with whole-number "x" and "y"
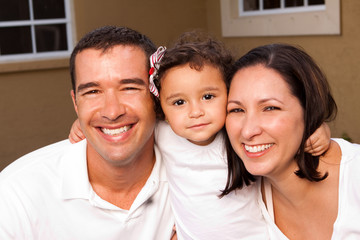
{"x": 127, "y": 62}
{"x": 122, "y": 53}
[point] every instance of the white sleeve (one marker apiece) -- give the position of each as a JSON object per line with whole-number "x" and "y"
{"x": 14, "y": 220}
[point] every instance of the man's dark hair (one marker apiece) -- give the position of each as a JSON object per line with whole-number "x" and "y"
{"x": 105, "y": 38}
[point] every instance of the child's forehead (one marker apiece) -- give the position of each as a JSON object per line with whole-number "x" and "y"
{"x": 206, "y": 78}
{"x": 203, "y": 68}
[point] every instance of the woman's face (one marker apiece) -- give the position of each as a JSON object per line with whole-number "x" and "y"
{"x": 264, "y": 122}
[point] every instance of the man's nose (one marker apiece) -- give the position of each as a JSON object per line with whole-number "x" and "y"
{"x": 112, "y": 107}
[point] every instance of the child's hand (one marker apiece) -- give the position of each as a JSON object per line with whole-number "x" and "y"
{"x": 76, "y": 135}
{"x": 174, "y": 235}
{"x": 319, "y": 141}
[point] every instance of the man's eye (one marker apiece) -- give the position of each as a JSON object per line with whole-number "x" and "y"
{"x": 91, "y": 92}
{"x": 179, "y": 102}
{"x": 131, "y": 88}
{"x": 208, "y": 96}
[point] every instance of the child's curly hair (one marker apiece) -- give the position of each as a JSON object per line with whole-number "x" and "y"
{"x": 195, "y": 48}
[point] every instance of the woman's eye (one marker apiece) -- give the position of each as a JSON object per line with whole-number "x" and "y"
{"x": 235, "y": 110}
{"x": 271, "y": 108}
{"x": 179, "y": 102}
{"x": 208, "y": 96}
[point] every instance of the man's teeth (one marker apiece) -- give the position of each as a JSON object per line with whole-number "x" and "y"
{"x": 259, "y": 148}
{"x": 115, "y": 131}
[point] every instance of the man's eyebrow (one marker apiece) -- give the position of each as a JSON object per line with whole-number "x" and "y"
{"x": 83, "y": 86}
{"x": 138, "y": 81}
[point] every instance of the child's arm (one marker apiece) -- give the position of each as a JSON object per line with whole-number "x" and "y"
{"x": 76, "y": 134}
{"x": 319, "y": 141}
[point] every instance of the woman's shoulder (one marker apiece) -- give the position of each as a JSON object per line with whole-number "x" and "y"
{"x": 349, "y": 151}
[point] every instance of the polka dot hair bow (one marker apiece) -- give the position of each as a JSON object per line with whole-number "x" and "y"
{"x": 155, "y": 60}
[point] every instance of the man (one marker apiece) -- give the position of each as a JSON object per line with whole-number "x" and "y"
{"x": 111, "y": 185}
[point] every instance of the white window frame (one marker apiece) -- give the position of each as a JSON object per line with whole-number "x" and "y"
{"x": 32, "y": 23}
{"x": 314, "y": 20}
{"x": 281, "y": 10}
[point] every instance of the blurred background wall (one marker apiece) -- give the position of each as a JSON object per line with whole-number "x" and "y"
{"x": 35, "y": 103}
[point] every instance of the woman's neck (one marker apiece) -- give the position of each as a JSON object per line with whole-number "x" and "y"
{"x": 303, "y": 208}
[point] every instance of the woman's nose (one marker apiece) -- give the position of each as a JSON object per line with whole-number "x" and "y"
{"x": 251, "y": 126}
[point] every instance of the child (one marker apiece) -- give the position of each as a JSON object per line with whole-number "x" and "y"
{"x": 192, "y": 87}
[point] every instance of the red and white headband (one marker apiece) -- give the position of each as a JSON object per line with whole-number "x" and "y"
{"x": 155, "y": 60}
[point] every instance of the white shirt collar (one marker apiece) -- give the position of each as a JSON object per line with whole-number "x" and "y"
{"x": 76, "y": 185}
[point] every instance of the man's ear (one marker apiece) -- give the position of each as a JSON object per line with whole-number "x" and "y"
{"x": 72, "y": 93}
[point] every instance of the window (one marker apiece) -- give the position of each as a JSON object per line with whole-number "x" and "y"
{"x": 280, "y": 17}
{"x": 262, "y": 7}
{"x": 34, "y": 29}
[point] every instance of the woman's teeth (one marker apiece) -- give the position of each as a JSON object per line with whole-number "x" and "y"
{"x": 259, "y": 148}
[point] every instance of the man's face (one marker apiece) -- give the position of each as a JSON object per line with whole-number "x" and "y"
{"x": 114, "y": 104}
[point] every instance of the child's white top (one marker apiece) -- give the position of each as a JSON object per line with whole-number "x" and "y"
{"x": 347, "y": 224}
{"x": 196, "y": 176}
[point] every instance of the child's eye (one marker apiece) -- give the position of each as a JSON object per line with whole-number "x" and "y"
{"x": 208, "y": 96}
{"x": 271, "y": 108}
{"x": 179, "y": 102}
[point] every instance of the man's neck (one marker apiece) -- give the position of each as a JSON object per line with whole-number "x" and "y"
{"x": 119, "y": 185}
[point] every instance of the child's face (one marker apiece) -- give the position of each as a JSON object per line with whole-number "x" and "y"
{"x": 194, "y": 102}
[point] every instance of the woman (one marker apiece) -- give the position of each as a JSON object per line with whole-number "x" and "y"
{"x": 278, "y": 96}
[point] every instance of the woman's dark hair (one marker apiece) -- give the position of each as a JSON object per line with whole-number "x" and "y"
{"x": 195, "y": 48}
{"x": 308, "y": 84}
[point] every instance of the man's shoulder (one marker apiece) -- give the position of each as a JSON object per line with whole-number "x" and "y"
{"x": 33, "y": 161}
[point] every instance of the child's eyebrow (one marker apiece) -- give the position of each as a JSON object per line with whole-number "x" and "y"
{"x": 175, "y": 95}
{"x": 210, "y": 88}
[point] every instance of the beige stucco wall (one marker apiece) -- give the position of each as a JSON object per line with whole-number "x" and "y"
{"x": 338, "y": 56}
{"x": 35, "y": 105}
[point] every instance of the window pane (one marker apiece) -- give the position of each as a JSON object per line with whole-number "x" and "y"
{"x": 47, "y": 9}
{"x": 294, "y": 3}
{"x": 51, "y": 38}
{"x": 250, "y": 5}
{"x": 15, "y": 40}
{"x": 12, "y": 10}
{"x": 270, "y": 4}
{"x": 316, "y": 2}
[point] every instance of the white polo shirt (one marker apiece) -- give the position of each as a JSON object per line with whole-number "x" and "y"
{"x": 46, "y": 194}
